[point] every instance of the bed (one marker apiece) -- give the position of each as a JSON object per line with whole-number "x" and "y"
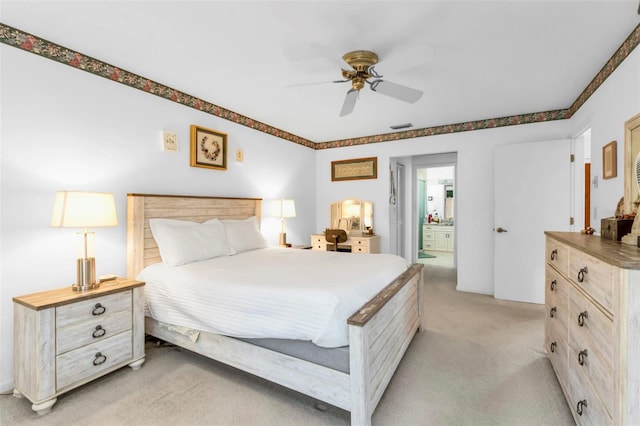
{"x": 378, "y": 333}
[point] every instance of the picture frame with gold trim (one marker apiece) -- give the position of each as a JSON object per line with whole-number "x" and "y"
{"x": 354, "y": 169}
{"x": 208, "y": 148}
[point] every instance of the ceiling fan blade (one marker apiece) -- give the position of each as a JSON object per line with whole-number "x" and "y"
{"x": 349, "y": 102}
{"x": 396, "y": 90}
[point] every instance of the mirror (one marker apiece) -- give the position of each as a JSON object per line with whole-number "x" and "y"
{"x": 353, "y": 215}
{"x": 631, "y": 150}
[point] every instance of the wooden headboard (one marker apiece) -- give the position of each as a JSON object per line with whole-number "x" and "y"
{"x": 142, "y": 249}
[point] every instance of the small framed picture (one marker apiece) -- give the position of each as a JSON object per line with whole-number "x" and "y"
{"x": 208, "y": 148}
{"x": 609, "y": 161}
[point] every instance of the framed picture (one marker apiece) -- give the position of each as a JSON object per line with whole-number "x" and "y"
{"x": 358, "y": 168}
{"x": 208, "y": 148}
{"x": 609, "y": 161}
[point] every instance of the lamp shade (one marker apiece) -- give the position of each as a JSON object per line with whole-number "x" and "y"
{"x": 77, "y": 209}
{"x": 283, "y": 208}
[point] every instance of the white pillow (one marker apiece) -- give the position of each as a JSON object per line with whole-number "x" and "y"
{"x": 244, "y": 235}
{"x": 181, "y": 241}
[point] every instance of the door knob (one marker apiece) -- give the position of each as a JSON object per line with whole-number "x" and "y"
{"x": 501, "y": 229}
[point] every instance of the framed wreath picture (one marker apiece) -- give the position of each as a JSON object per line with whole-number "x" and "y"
{"x": 208, "y": 148}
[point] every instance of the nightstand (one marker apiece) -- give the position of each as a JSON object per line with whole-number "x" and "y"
{"x": 64, "y": 338}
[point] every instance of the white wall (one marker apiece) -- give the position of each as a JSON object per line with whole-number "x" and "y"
{"x": 66, "y": 129}
{"x": 616, "y": 101}
{"x": 474, "y": 189}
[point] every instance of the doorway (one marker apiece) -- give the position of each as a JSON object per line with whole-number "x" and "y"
{"x": 434, "y": 193}
{"x": 436, "y": 218}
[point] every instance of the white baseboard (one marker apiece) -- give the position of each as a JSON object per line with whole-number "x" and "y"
{"x": 6, "y": 386}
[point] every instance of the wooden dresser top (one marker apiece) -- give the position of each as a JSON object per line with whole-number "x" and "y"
{"x": 62, "y": 296}
{"x": 613, "y": 252}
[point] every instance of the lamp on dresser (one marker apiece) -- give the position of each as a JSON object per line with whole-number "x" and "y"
{"x": 77, "y": 209}
{"x": 283, "y": 208}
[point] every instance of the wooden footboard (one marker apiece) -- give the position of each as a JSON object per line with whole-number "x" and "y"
{"x": 379, "y": 334}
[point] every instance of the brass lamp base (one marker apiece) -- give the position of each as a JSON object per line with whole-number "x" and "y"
{"x": 283, "y": 239}
{"x": 85, "y": 275}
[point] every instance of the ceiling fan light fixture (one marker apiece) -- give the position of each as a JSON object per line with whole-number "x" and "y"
{"x": 360, "y": 60}
{"x": 401, "y": 126}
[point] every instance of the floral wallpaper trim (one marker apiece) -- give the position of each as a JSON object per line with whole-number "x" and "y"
{"x": 618, "y": 57}
{"x": 25, "y": 41}
{"x": 17, "y": 38}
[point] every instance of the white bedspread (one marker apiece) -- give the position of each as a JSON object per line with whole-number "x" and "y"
{"x": 273, "y": 292}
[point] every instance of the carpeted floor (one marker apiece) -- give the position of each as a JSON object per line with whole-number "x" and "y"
{"x": 479, "y": 361}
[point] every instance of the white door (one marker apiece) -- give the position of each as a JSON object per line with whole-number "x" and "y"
{"x": 532, "y": 189}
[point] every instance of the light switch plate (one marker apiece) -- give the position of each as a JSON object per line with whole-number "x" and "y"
{"x": 239, "y": 155}
{"x": 169, "y": 141}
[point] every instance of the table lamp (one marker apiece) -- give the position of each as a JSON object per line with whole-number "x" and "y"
{"x": 76, "y": 209}
{"x": 283, "y": 208}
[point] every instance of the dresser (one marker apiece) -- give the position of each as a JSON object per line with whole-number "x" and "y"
{"x": 438, "y": 237}
{"x": 65, "y": 338}
{"x": 354, "y": 244}
{"x": 592, "y": 326}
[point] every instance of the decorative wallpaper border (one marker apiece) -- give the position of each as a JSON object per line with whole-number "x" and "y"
{"x": 25, "y": 41}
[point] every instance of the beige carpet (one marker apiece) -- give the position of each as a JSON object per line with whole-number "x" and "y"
{"x": 479, "y": 362}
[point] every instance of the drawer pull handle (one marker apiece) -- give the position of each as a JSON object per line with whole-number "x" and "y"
{"x": 554, "y": 254}
{"x": 99, "y": 332}
{"x": 580, "y": 407}
{"x": 98, "y": 309}
{"x": 582, "y": 317}
{"x": 99, "y": 358}
{"x": 552, "y": 312}
{"x": 552, "y": 347}
{"x": 553, "y": 285}
{"x": 581, "y": 273}
{"x": 581, "y": 356}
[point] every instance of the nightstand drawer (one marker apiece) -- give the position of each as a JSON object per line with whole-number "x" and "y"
{"x": 99, "y": 328}
{"x": 87, "y": 310}
{"x": 90, "y": 360}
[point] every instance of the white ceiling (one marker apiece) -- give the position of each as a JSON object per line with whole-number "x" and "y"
{"x": 473, "y": 59}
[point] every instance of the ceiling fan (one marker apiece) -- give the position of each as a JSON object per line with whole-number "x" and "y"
{"x": 362, "y": 63}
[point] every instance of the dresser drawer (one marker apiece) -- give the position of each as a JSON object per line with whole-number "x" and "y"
{"x": 99, "y": 328}
{"x": 428, "y": 234}
{"x": 585, "y": 356}
{"x": 594, "y": 276}
{"x": 556, "y": 289}
{"x": 590, "y": 326}
{"x": 557, "y": 350}
{"x": 318, "y": 242}
{"x": 87, "y": 310}
{"x": 91, "y": 360}
{"x": 587, "y": 409}
{"x": 360, "y": 245}
{"x": 557, "y": 254}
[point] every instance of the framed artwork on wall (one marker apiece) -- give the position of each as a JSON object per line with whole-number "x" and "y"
{"x": 609, "y": 160}
{"x": 208, "y": 148}
{"x": 358, "y": 168}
